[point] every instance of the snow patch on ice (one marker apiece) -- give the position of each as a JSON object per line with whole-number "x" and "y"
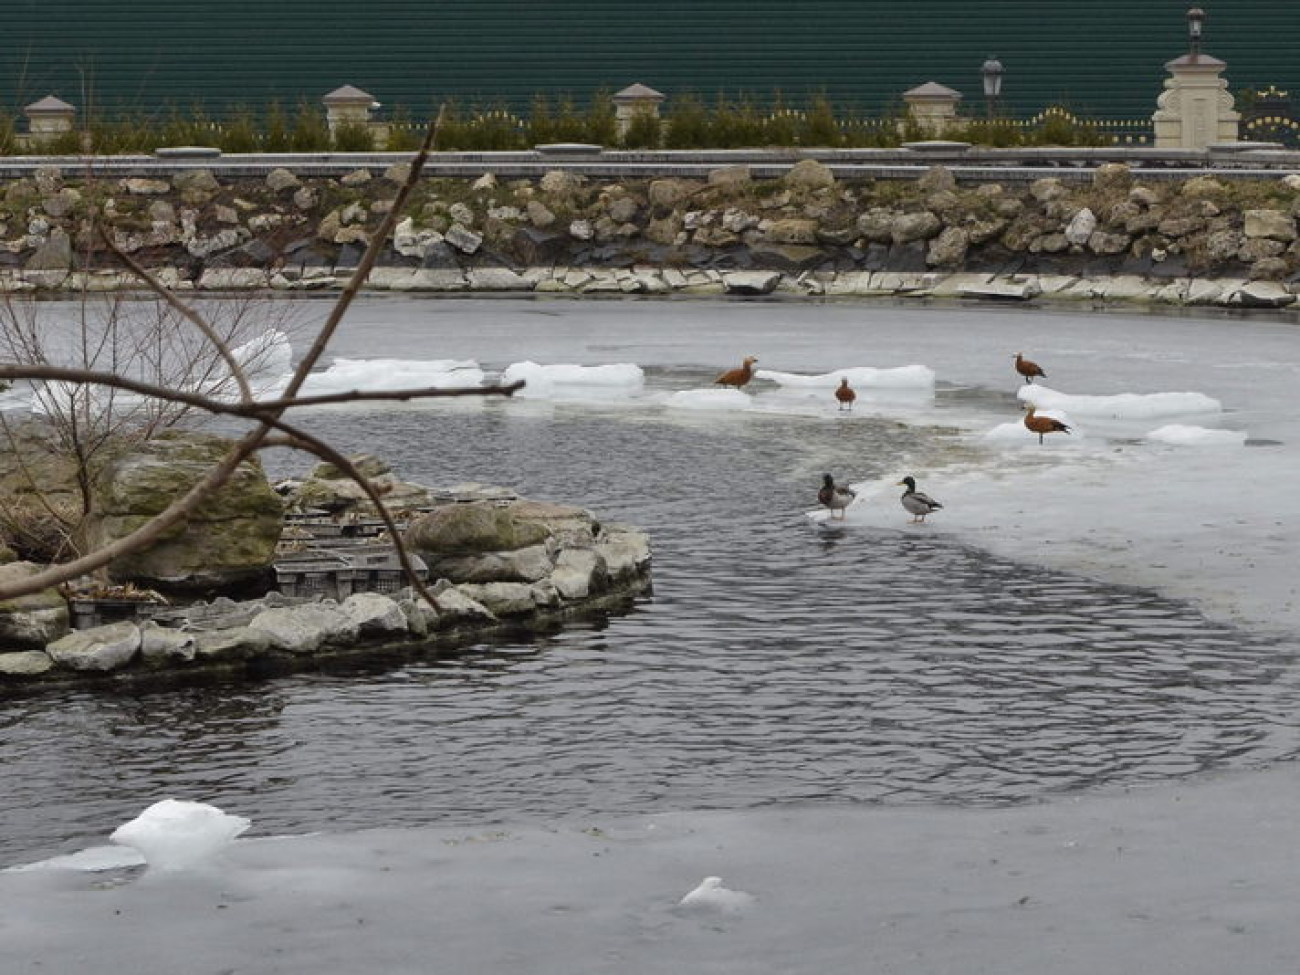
{"x": 1120, "y": 406}
{"x": 709, "y": 399}
{"x": 566, "y": 381}
{"x": 1181, "y": 435}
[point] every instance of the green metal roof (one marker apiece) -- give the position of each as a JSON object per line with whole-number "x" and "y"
{"x": 1099, "y": 57}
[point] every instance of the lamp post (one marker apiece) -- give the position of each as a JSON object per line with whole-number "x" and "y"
{"x": 992, "y": 71}
{"x": 1195, "y": 22}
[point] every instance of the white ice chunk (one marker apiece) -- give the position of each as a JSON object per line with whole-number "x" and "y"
{"x": 859, "y": 377}
{"x": 1120, "y": 406}
{"x": 174, "y": 834}
{"x": 566, "y": 381}
{"x": 374, "y": 375}
{"x": 1017, "y": 432}
{"x": 710, "y": 399}
{"x": 710, "y": 897}
{"x": 91, "y": 860}
{"x": 1181, "y": 435}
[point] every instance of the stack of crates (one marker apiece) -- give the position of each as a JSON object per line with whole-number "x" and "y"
{"x": 376, "y": 568}
{"x": 315, "y": 573}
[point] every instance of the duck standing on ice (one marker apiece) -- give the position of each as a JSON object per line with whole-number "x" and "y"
{"x": 837, "y": 497}
{"x": 915, "y": 502}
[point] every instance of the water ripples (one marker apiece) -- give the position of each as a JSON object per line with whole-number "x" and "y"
{"x": 772, "y": 664}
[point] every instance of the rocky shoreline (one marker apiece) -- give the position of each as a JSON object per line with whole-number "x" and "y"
{"x": 1110, "y": 237}
{"x": 494, "y": 564}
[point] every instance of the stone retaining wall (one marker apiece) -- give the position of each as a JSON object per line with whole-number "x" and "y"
{"x": 1113, "y": 234}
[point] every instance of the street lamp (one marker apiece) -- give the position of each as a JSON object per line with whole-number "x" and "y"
{"x": 1195, "y": 21}
{"x": 992, "y": 71}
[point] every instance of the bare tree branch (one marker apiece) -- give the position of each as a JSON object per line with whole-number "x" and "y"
{"x": 254, "y": 410}
{"x": 167, "y": 295}
{"x": 267, "y": 415}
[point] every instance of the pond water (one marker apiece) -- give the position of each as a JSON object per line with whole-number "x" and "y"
{"x": 775, "y": 661}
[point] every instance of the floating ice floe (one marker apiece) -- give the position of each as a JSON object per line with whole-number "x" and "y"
{"x": 1017, "y": 432}
{"x": 1120, "y": 406}
{"x": 175, "y": 834}
{"x": 710, "y": 897}
{"x": 710, "y": 399}
{"x": 565, "y": 381}
{"x": 1181, "y": 435}
{"x": 379, "y": 375}
{"x": 861, "y": 378}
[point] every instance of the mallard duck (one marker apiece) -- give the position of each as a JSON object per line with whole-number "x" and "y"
{"x": 845, "y": 395}
{"x": 1028, "y": 369}
{"x": 914, "y": 501}
{"x": 1043, "y": 424}
{"x": 835, "y": 496}
{"x": 738, "y": 377}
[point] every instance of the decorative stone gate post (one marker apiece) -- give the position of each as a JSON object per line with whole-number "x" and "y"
{"x": 348, "y": 106}
{"x": 933, "y": 107}
{"x": 633, "y": 101}
{"x": 1195, "y": 109}
{"x": 48, "y": 119}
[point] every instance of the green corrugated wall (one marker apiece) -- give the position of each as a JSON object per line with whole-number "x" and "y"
{"x": 1099, "y": 57}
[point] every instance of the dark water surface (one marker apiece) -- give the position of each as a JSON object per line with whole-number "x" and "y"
{"x": 774, "y": 663}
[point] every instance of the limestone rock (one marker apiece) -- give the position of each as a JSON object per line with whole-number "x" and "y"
{"x": 98, "y": 648}
{"x": 561, "y": 182}
{"x": 1112, "y": 176}
{"x": 458, "y": 608}
{"x": 231, "y": 644}
{"x": 527, "y": 564}
{"x": 25, "y": 663}
{"x": 665, "y": 193}
{"x": 936, "y": 179}
{"x": 624, "y": 552}
{"x": 279, "y": 180}
{"x": 142, "y": 186}
{"x": 1047, "y": 189}
{"x": 163, "y": 646}
{"x": 915, "y": 226}
{"x": 809, "y": 174}
{"x": 1273, "y": 224}
{"x": 949, "y": 248}
{"x": 30, "y": 622}
{"x": 730, "y": 177}
{"x": 1081, "y": 227}
{"x": 471, "y": 529}
{"x": 463, "y": 239}
{"x": 539, "y": 214}
{"x": 375, "y": 615}
{"x": 306, "y": 629}
{"x": 501, "y": 598}
{"x": 792, "y": 231}
{"x": 229, "y": 540}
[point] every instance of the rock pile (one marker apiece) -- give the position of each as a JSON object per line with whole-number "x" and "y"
{"x": 805, "y": 232}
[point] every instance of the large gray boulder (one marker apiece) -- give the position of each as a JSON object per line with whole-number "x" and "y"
{"x": 98, "y": 648}
{"x": 230, "y": 539}
{"x": 305, "y": 629}
{"x": 30, "y": 622}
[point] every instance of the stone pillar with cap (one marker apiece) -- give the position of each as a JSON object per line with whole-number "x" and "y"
{"x": 933, "y": 107}
{"x": 348, "y": 106}
{"x": 48, "y": 119}
{"x": 635, "y": 101}
{"x": 1196, "y": 109}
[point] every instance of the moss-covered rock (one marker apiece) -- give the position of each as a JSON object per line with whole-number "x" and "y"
{"x": 230, "y": 539}
{"x": 30, "y": 622}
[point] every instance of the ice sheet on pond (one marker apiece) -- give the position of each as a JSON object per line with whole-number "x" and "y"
{"x": 568, "y": 381}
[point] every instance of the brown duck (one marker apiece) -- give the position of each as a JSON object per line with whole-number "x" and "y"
{"x": 1028, "y": 369}
{"x": 738, "y": 377}
{"x": 845, "y": 395}
{"x": 1043, "y": 424}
